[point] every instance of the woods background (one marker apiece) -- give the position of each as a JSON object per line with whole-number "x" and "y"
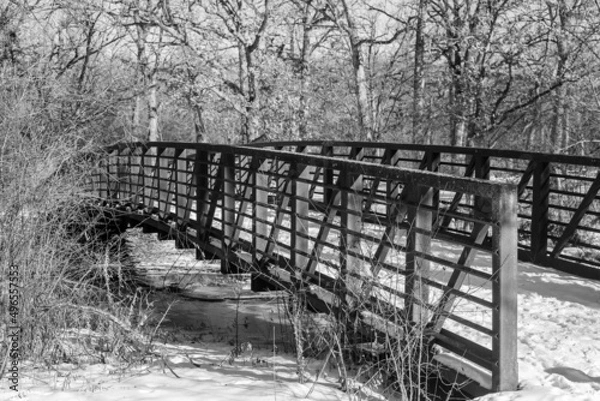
{"x": 500, "y": 74}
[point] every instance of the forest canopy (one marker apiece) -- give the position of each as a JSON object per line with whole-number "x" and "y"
{"x": 490, "y": 73}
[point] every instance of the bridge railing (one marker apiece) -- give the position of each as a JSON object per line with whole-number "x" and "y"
{"x": 351, "y": 234}
{"x": 558, "y": 199}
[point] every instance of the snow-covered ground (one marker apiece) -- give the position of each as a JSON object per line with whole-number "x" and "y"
{"x": 559, "y": 350}
{"x": 559, "y": 338}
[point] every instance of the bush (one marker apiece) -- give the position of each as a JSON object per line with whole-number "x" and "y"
{"x": 74, "y": 298}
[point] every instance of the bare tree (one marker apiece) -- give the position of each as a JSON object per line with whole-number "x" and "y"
{"x": 419, "y": 134}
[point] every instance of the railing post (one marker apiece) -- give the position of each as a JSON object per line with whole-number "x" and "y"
{"x": 420, "y": 215}
{"x": 227, "y": 210}
{"x": 136, "y": 167}
{"x": 201, "y": 179}
{"x": 260, "y": 225}
{"x": 154, "y": 156}
{"x": 260, "y": 210}
{"x": 392, "y": 188}
{"x": 299, "y": 224}
{"x": 144, "y": 197}
{"x": 103, "y": 178}
{"x": 351, "y": 220}
{"x": 482, "y": 205}
{"x": 539, "y": 212}
{"x": 155, "y": 186}
{"x": 181, "y": 189}
{"x": 125, "y": 176}
{"x": 504, "y": 291}
{"x": 112, "y": 174}
{"x": 163, "y": 183}
{"x": 327, "y": 151}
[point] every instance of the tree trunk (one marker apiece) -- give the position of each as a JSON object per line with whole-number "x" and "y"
{"x": 303, "y": 77}
{"x": 199, "y": 127}
{"x": 558, "y": 137}
{"x": 361, "y": 87}
{"x": 142, "y": 67}
{"x": 362, "y": 94}
{"x": 136, "y": 117}
{"x": 252, "y": 99}
{"x": 243, "y": 79}
{"x": 153, "y": 110}
{"x": 419, "y": 133}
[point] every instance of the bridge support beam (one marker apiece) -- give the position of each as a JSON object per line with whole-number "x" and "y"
{"x": 227, "y": 211}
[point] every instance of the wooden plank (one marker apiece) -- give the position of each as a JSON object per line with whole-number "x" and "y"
{"x": 504, "y": 293}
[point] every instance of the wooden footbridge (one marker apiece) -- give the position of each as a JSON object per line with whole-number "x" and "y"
{"x": 395, "y": 235}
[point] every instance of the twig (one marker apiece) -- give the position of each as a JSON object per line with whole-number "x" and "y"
{"x": 192, "y": 362}
{"x": 167, "y": 365}
{"x": 320, "y": 372}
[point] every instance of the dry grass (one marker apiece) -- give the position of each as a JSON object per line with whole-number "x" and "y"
{"x": 74, "y": 298}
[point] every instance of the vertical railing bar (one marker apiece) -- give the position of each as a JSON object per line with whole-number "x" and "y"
{"x": 504, "y": 292}
{"x": 214, "y": 178}
{"x": 351, "y": 289}
{"x": 300, "y": 189}
{"x": 181, "y": 193}
{"x": 539, "y": 212}
{"x": 200, "y": 179}
{"x": 135, "y": 176}
{"x": 420, "y": 218}
{"x": 327, "y": 177}
{"x": 259, "y": 222}
{"x": 227, "y": 210}
{"x": 248, "y": 172}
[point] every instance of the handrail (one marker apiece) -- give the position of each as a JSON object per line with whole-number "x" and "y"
{"x": 559, "y": 201}
{"x": 503, "y": 153}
